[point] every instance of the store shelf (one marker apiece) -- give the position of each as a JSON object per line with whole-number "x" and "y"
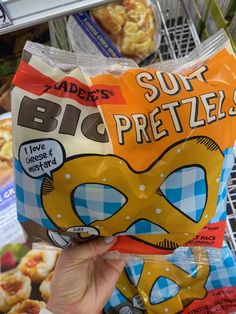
{"x": 178, "y": 32}
{"x": 179, "y": 35}
{"x": 24, "y": 13}
{"x": 231, "y": 211}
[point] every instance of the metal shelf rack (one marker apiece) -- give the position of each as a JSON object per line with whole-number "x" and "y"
{"x": 231, "y": 211}
{"x": 25, "y": 13}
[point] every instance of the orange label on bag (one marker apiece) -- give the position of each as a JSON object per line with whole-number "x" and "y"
{"x": 165, "y": 108}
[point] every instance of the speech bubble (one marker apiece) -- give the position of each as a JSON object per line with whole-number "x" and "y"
{"x": 41, "y": 157}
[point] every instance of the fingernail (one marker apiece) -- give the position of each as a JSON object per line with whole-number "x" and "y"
{"x": 108, "y": 240}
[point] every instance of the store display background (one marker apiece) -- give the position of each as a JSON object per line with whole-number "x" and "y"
{"x": 178, "y": 38}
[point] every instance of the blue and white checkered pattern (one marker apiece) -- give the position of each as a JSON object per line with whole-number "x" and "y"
{"x": 222, "y": 274}
{"x": 184, "y": 254}
{"x": 222, "y": 196}
{"x": 115, "y": 299}
{"x": 97, "y": 202}
{"x": 28, "y": 197}
{"x": 186, "y": 190}
{"x": 162, "y": 290}
{"x": 134, "y": 270}
{"x": 144, "y": 226}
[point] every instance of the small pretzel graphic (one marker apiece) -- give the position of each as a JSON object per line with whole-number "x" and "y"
{"x": 191, "y": 286}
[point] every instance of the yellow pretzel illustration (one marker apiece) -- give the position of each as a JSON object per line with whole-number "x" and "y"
{"x": 190, "y": 287}
{"x": 140, "y": 189}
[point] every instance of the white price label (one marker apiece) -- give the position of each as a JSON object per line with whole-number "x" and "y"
{"x": 4, "y": 18}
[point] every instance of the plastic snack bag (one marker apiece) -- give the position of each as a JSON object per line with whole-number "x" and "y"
{"x": 103, "y": 147}
{"x": 127, "y": 28}
{"x": 188, "y": 282}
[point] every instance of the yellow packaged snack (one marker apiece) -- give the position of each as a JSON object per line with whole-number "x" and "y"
{"x": 189, "y": 281}
{"x": 103, "y": 147}
{"x": 126, "y": 28}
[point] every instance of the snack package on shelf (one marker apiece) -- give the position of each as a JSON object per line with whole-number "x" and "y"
{"x": 25, "y": 278}
{"x": 102, "y": 147}
{"x": 10, "y": 229}
{"x": 188, "y": 282}
{"x": 126, "y": 28}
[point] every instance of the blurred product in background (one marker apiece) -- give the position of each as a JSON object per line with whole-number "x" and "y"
{"x": 127, "y": 28}
{"x": 25, "y": 278}
{"x": 211, "y": 15}
{"x": 10, "y": 230}
{"x": 11, "y": 46}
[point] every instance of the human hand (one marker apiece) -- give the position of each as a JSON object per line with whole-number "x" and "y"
{"x": 83, "y": 280}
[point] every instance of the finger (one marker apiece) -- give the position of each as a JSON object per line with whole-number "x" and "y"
{"x": 110, "y": 271}
{"x": 89, "y": 249}
{"x": 114, "y": 269}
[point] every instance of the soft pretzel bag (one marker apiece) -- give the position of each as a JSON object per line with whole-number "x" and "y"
{"x": 194, "y": 283}
{"x": 102, "y": 147}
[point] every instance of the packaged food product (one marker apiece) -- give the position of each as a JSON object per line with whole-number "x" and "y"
{"x": 45, "y": 287}
{"x": 10, "y": 229}
{"x": 102, "y": 147}
{"x": 5, "y": 103}
{"x": 37, "y": 264}
{"x": 28, "y": 307}
{"x": 14, "y": 288}
{"x": 188, "y": 282}
{"x": 25, "y": 278}
{"x": 126, "y": 28}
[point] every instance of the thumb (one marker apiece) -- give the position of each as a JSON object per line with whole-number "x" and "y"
{"x": 87, "y": 250}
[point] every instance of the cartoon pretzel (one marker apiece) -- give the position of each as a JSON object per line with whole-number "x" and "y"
{"x": 141, "y": 190}
{"x": 191, "y": 286}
